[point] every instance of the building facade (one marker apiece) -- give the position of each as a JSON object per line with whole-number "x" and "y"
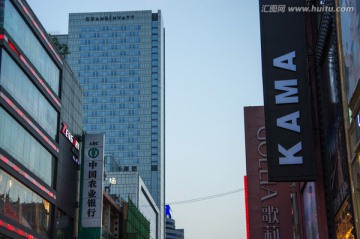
{"x": 329, "y": 202}
{"x": 129, "y": 185}
{"x": 119, "y": 60}
{"x": 171, "y": 231}
{"x": 40, "y": 117}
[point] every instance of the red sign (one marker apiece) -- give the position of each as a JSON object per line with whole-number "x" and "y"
{"x": 268, "y": 204}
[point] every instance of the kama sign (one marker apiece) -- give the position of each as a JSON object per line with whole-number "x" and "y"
{"x": 286, "y": 93}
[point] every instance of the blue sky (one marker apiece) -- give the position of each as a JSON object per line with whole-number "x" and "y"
{"x": 213, "y": 70}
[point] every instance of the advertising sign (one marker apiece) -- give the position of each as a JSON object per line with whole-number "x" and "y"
{"x": 92, "y": 183}
{"x": 350, "y": 42}
{"x": 286, "y": 92}
{"x": 269, "y": 210}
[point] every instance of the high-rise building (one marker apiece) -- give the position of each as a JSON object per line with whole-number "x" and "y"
{"x": 40, "y": 117}
{"x": 119, "y": 60}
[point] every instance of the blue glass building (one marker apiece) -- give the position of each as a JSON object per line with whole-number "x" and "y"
{"x": 119, "y": 60}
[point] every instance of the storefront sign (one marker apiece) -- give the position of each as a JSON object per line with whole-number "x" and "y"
{"x": 92, "y": 184}
{"x": 268, "y": 203}
{"x": 75, "y": 149}
{"x": 70, "y": 137}
{"x": 286, "y": 94}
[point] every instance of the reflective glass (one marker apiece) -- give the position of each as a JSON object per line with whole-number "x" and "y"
{"x": 17, "y": 142}
{"x": 27, "y": 95}
{"x": 29, "y": 44}
{"x": 19, "y": 203}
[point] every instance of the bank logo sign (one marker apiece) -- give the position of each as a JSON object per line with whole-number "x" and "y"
{"x": 92, "y": 171}
{"x": 93, "y": 152}
{"x": 288, "y": 118}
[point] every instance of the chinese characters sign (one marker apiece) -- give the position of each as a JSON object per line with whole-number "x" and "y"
{"x": 268, "y": 204}
{"x": 92, "y": 197}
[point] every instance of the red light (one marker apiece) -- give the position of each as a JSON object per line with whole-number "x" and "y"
{"x": 13, "y": 48}
{"x": 20, "y": 232}
{"x": 4, "y": 159}
{"x": 1, "y": 37}
{"x": 9, "y": 102}
{"x": 247, "y": 207}
{"x": 26, "y": 11}
{"x": 16, "y": 168}
{"x": 1, "y": 223}
{"x": 10, "y": 227}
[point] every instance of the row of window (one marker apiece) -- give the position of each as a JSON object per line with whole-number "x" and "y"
{"x": 88, "y": 67}
{"x": 105, "y": 51}
{"x": 117, "y": 73}
{"x": 17, "y": 142}
{"x": 111, "y": 28}
{"x": 28, "y": 43}
{"x": 27, "y": 95}
{"x": 24, "y": 206}
{"x": 96, "y": 60}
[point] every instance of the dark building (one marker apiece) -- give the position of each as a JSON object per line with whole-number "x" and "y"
{"x": 40, "y": 119}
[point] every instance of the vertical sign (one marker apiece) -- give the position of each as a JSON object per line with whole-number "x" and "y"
{"x": 92, "y": 184}
{"x": 286, "y": 91}
{"x": 269, "y": 211}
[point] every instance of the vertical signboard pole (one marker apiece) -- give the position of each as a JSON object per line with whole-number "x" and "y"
{"x": 92, "y": 171}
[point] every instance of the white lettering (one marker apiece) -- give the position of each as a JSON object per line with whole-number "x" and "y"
{"x": 270, "y": 193}
{"x": 289, "y": 122}
{"x": 285, "y": 85}
{"x": 286, "y": 61}
{"x": 289, "y": 154}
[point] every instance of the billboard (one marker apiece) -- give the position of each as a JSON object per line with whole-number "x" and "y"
{"x": 286, "y": 92}
{"x": 268, "y": 204}
{"x": 350, "y": 44}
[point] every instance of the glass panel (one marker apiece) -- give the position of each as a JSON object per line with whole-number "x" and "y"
{"x": 29, "y": 44}
{"x": 27, "y": 95}
{"x": 23, "y": 205}
{"x": 17, "y": 142}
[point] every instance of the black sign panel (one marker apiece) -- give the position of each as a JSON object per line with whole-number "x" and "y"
{"x": 290, "y": 144}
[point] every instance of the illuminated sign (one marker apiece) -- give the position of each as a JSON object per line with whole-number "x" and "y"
{"x": 112, "y": 181}
{"x": 70, "y": 137}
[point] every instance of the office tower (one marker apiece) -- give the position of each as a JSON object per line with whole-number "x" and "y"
{"x": 40, "y": 116}
{"x": 118, "y": 58}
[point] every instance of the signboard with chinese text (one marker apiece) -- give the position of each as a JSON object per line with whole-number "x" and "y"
{"x": 268, "y": 203}
{"x": 92, "y": 183}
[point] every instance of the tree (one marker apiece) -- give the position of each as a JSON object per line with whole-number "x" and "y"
{"x": 62, "y": 48}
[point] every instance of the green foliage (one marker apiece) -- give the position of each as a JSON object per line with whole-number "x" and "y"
{"x": 62, "y": 48}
